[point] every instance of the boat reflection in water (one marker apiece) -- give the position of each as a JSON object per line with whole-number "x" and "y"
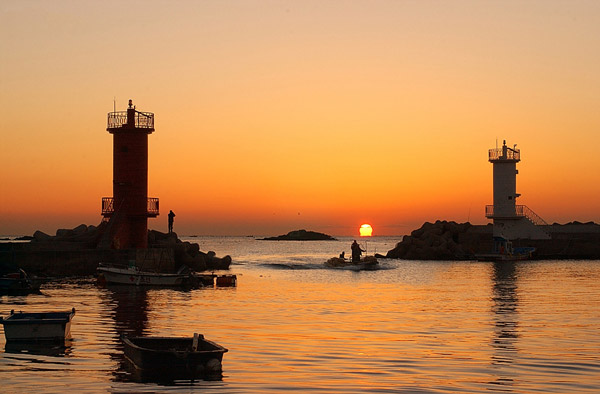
{"x": 130, "y": 308}
{"x": 39, "y": 349}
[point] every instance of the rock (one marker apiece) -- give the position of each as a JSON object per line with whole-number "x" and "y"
{"x": 433, "y": 241}
{"x": 187, "y": 253}
{"x": 162, "y": 239}
{"x": 301, "y": 235}
{"x": 81, "y": 229}
{"x": 39, "y": 236}
{"x": 193, "y": 249}
{"x": 216, "y": 263}
{"x": 63, "y": 232}
{"x": 197, "y": 263}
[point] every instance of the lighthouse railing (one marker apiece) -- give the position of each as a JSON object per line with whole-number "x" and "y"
{"x": 529, "y": 214}
{"x": 498, "y": 154}
{"x": 153, "y": 206}
{"x": 108, "y": 206}
{"x": 520, "y": 211}
{"x": 143, "y": 120}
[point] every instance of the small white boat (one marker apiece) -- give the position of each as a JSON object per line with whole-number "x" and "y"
{"x": 38, "y": 326}
{"x": 134, "y": 276}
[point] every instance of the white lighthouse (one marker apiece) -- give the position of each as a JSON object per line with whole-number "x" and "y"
{"x": 511, "y": 221}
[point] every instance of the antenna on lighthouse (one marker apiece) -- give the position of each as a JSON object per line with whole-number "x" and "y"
{"x": 114, "y": 104}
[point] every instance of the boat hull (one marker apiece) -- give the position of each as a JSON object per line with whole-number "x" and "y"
{"x": 366, "y": 263}
{"x": 174, "y": 357}
{"x": 132, "y": 276}
{"x": 519, "y": 254}
{"x": 33, "y": 327}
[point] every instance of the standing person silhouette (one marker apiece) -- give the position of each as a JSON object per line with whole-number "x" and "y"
{"x": 356, "y": 252}
{"x": 171, "y": 218}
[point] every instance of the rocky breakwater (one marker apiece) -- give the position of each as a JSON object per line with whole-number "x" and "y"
{"x": 78, "y": 251}
{"x": 187, "y": 253}
{"x": 443, "y": 240}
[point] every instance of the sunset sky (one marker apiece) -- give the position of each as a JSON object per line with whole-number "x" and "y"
{"x": 273, "y": 116}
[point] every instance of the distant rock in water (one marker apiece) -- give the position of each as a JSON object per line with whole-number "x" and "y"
{"x": 301, "y": 235}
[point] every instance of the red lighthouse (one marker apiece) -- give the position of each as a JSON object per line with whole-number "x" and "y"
{"x": 129, "y": 208}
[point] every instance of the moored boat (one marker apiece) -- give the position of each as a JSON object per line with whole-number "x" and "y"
{"x": 174, "y": 356}
{"x": 517, "y": 254}
{"x": 38, "y": 326}
{"x": 18, "y": 283}
{"x": 504, "y": 251}
{"x": 135, "y": 276}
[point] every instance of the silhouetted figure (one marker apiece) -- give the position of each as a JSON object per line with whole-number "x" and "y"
{"x": 171, "y": 218}
{"x": 343, "y": 255}
{"x": 356, "y": 252}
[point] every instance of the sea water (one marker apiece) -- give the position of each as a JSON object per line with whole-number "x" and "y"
{"x": 293, "y": 325}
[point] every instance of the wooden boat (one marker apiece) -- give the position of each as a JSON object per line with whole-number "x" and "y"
{"x": 169, "y": 356}
{"x": 38, "y": 326}
{"x": 19, "y": 283}
{"x": 366, "y": 263}
{"x": 135, "y": 276}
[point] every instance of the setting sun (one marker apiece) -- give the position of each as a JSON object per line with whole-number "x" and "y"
{"x": 366, "y": 230}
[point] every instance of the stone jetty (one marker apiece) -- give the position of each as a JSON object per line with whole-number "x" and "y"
{"x": 78, "y": 251}
{"x": 445, "y": 240}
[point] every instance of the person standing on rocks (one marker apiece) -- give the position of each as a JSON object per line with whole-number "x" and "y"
{"x": 171, "y": 218}
{"x": 356, "y": 252}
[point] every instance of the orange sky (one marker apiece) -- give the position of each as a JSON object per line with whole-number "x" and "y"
{"x": 278, "y": 115}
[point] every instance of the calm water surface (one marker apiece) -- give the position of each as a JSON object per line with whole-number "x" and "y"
{"x": 293, "y": 325}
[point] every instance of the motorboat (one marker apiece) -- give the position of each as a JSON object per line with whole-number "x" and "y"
{"x": 365, "y": 263}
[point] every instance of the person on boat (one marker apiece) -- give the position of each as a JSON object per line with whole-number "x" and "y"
{"x": 356, "y": 252}
{"x": 171, "y": 218}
